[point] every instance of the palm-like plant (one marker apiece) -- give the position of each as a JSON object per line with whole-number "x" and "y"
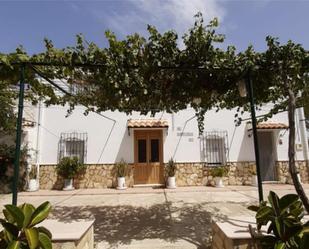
{"x": 284, "y": 217}
{"x": 171, "y": 168}
{"x": 121, "y": 168}
{"x": 20, "y": 227}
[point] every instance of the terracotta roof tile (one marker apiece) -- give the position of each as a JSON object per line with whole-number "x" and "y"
{"x": 271, "y": 125}
{"x": 147, "y": 123}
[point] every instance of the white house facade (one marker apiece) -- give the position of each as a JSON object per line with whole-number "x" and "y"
{"x": 147, "y": 143}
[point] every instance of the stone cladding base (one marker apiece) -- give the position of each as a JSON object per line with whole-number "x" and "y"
{"x": 188, "y": 174}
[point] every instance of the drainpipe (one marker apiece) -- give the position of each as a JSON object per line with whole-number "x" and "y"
{"x": 37, "y": 147}
{"x": 303, "y": 133}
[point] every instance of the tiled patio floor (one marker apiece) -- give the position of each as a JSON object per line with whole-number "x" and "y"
{"x": 151, "y": 218}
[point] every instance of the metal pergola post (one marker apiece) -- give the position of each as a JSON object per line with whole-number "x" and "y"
{"x": 18, "y": 134}
{"x": 255, "y": 138}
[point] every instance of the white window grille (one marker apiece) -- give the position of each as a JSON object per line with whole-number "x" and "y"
{"x": 73, "y": 144}
{"x": 215, "y": 147}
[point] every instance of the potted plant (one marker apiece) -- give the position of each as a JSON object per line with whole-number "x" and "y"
{"x": 283, "y": 172}
{"x": 33, "y": 184}
{"x": 171, "y": 169}
{"x": 298, "y": 176}
{"x": 218, "y": 173}
{"x": 68, "y": 168}
{"x": 121, "y": 171}
{"x": 254, "y": 180}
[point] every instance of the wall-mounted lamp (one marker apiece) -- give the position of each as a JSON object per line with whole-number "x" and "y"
{"x": 197, "y": 101}
{"x": 242, "y": 89}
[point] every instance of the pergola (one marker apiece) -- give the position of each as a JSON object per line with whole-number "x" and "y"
{"x": 245, "y": 87}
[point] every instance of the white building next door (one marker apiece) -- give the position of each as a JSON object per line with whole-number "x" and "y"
{"x": 268, "y": 155}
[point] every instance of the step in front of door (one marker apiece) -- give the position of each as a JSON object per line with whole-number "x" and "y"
{"x": 155, "y": 185}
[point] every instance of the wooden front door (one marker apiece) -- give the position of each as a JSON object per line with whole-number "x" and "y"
{"x": 148, "y": 157}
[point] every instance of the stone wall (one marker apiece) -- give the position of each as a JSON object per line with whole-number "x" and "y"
{"x": 284, "y": 174}
{"x": 191, "y": 174}
{"x": 73, "y": 234}
{"x": 188, "y": 174}
{"x": 96, "y": 176}
{"x": 233, "y": 236}
{"x": 197, "y": 174}
{"x": 86, "y": 242}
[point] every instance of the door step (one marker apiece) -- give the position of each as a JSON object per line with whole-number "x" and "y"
{"x": 271, "y": 182}
{"x": 155, "y": 185}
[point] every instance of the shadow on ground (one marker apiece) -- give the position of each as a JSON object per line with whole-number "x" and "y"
{"x": 121, "y": 224}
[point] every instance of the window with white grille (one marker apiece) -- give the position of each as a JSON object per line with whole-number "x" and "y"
{"x": 73, "y": 144}
{"x": 215, "y": 147}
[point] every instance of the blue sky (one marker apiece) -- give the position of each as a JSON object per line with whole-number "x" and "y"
{"x": 243, "y": 21}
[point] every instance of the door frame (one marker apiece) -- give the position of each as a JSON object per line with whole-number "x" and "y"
{"x": 273, "y": 135}
{"x": 148, "y": 133}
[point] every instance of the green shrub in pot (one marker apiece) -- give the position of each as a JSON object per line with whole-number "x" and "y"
{"x": 32, "y": 183}
{"x": 69, "y": 167}
{"x": 121, "y": 168}
{"x": 220, "y": 171}
{"x": 171, "y": 168}
{"x": 121, "y": 172}
{"x": 32, "y": 172}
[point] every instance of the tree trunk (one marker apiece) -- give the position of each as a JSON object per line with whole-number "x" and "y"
{"x": 292, "y": 167}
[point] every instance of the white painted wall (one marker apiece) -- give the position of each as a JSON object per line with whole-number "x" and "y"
{"x": 109, "y": 141}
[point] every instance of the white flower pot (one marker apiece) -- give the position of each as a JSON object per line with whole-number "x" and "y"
{"x": 254, "y": 180}
{"x": 171, "y": 182}
{"x": 219, "y": 182}
{"x": 299, "y": 178}
{"x": 33, "y": 185}
{"x": 121, "y": 183}
{"x": 68, "y": 184}
{"x": 283, "y": 179}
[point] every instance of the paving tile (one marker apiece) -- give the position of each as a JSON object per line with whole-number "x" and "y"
{"x": 151, "y": 218}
